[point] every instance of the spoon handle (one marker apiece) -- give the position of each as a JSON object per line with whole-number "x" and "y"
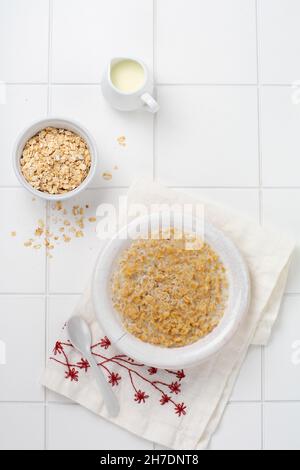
{"x": 110, "y": 399}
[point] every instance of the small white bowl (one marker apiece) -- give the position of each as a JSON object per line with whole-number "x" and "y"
{"x": 180, "y": 357}
{"x": 59, "y": 123}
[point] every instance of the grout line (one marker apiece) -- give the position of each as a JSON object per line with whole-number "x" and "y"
{"x": 260, "y": 173}
{"x": 157, "y": 84}
{"x": 50, "y": 13}
{"x": 154, "y": 59}
{"x": 267, "y": 188}
{"x": 71, "y": 403}
{"x": 245, "y": 188}
{"x": 36, "y": 294}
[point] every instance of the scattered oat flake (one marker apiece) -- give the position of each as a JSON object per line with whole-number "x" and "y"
{"x": 79, "y": 234}
{"x": 92, "y": 219}
{"x": 37, "y": 247}
{"x": 13, "y": 234}
{"x": 58, "y": 206}
{"x": 122, "y": 140}
{"x": 38, "y": 232}
{"x": 67, "y": 222}
{"x": 107, "y": 176}
{"x": 75, "y": 210}
{"x": 80, "y": 223}
{"x": 66, "y": 238}
{"x": 28, "y": 243}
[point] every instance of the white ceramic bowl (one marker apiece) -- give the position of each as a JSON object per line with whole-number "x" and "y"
{"x": 180, "y": 357}
{"x": 59, "y": 123}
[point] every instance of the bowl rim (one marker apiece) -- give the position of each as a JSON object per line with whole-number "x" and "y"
{"x": 54, "y": 121}
{"x": 155, "y": 355}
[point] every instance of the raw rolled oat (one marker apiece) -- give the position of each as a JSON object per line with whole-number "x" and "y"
{"x": 55, "y": 161}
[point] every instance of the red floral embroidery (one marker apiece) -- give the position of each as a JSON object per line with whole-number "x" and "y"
{"x": 164, "y": 399}
{"x": 175, "y": 387}
{"x": 83, "y": 364}
{"x": 58, "y": 348}
{"x": 180, "y": 409}
{"x": 72, "y": 374}
{"x": 114, "y": 379}
{"x": 105, "y": 342}
{"x": 180, "y": 374}
{"x": 140, "y": 396}
{"x": 136, "y": 372}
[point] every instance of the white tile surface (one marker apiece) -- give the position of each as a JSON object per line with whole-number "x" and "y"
{"x": 100, "y": 435}
{"x": 22, "y": 328}
{"x": 280, "y": 209}
{"x": 282, "y": 355}
{"x": 24, "y": 40}
{"x": 207, "y": 136}
{"x": 280, "y": 36}
{"x": 248, "y": 385}
{"x": 22, "y": 268}
{"x": 281, "y": 426}
{"x": 280, "y": 118}
{"x": 21, "y": 426}
{"x": 23, "y": 105}
{"x": 87, "y": 105}
{"x": 206, "y": 41}
{"x": 98, "y": 31}
{"x": 240, "y": 428}
{"x": 72, "y": 263}
{"x": 244, "y": 201}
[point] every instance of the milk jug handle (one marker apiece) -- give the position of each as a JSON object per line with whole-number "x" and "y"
{"x": 150, "y": 104}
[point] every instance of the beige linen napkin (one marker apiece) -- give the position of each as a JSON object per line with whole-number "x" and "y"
{"x": 179, "y": 409}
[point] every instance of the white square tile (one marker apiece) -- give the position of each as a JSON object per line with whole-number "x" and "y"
{"x": 23, "y": 104}
{"x": 280, "y": 118}
{"x": 22, "y": 268}
{"x": 240, "y": 428}
{"x": 72, "y": 263}
{"x": 60, "y": 309}
{"x": 24, "y": 40}
{"x": 279, "y": 40}
{"x": 207, "y": 136}
{"x": 22, "y": 328}
{"x": 206, "y": 41}
{"x": 245, "y": 201}
{"x": 282, "y": 355}
{"x": 280, "y": 209}
{"x": 21, "y": 426}
{"x": 281, "y": 426}
{"x": 87, "y": 431}
{"x": 96, "y": 32}
{"x": 248, "y": 385}
{"x": 87, "y": 105}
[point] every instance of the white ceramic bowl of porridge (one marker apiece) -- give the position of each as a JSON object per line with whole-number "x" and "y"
{"x": 171, "y": 357}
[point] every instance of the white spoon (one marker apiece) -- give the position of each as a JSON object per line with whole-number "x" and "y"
{"x": 80, "y": 336}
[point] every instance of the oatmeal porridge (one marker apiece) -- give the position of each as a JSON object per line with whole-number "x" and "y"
{"x": 169, "y": 295}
